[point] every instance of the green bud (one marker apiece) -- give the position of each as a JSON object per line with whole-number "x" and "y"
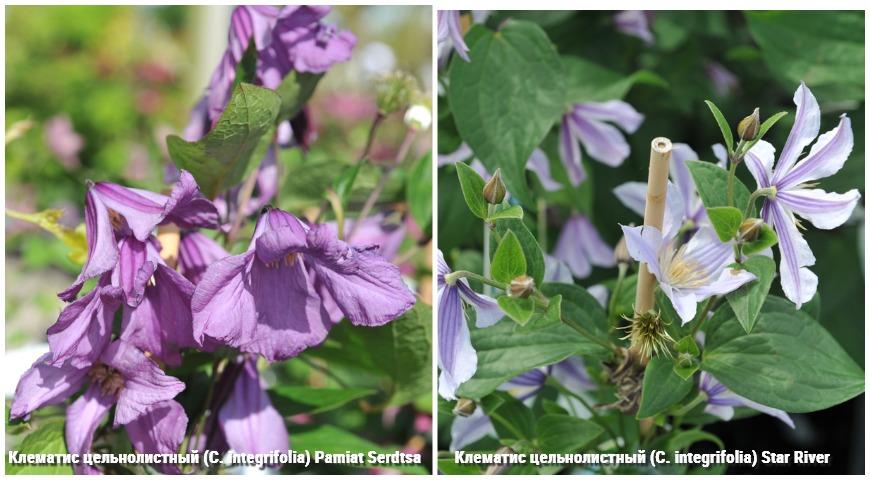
{"x": 464, "y": 407}
{"x": 396, "y": 91}
{"x": 750, "y": 228}
{"x": 748, "y": 128}
{"x": 494, "y": 191}
{"x": 522, "y": 286}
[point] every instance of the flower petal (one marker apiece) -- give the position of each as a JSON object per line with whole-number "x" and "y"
{"x": 826, "y": 157}
{"x": 82, "y": 419}
{"x": 368, "y": 289}
{"x": 680, "y": 174}
{"x": 615, "y": 111}
{"x": 46, "y": 384}
{"x": 102, "y": 248}
{"x": 187, "y": 207}
{"x": 84, "y": 327}
{"x": 196, "y": 253}
{"x": 572, "y": 374}
{"x": 824, "y": 210}
{"x": 145, "y": 385}
{"x": 467, "y": 430}
{"x": 454, "y": 29}
{"x": 644, "y": 244}
{"x": 161, "y": 430}
{"x": 540, "y": 164}
{"x": 456, "y": 356}
{"x": 142, "y": 210}
{"x": 603, "y": 142}
{"x": 569, "y": 152}
{"x": 684, "y": 302}
{"x": 131, "y": 273}
{"x": 462, "y": 153}
{"x": 634, "y": 23}
{"x": 249, "y": 421}
{"x": 556, "y": 270}
{"x": 599, "y": 253}
{"x": 729, "y": 280}
{"x": 759, "y": 161}
{"x": 798, "y": 282}
{"x": 568, "y": 250}
{"x": 222, "y": 304}
{"x": 487, "y": 311}
{"x": 805, "y": 129}
{"x": 632, "y": 195}
{"x": 721, "y": 155}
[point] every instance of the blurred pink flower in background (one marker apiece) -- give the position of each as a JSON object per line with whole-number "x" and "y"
{"x": 63, "y": 141}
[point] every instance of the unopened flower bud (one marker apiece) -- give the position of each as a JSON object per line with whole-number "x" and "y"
{"x": 749, "y": 229}
{"x": 494, "y": 191}
{"x": 395, "y": 91}
{"x": 522, "y": 286}
{"x": 748, "y": 128}
{"x": 418, "y": 117}
{"x": 464, "y": 407}
{"x": 620, "y": 252}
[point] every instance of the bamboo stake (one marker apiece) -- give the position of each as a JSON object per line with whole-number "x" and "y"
{"x": 654, "y": 214}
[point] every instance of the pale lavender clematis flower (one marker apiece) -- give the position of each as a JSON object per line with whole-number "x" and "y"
{"x": 291, "y": 286}
{"x": 682, "y": 188}
{"x": 537, "y": 162}
{"x": 724, "y": 82}
{"x": 586, "y": 124}
{"x": 123, "y": 376}
{"x": 635, "y": 23}
{"x": 450, "y": 32}
{"x": 376, "y": 231}
{"x": 111, "y": 209}
{"x": 687, "y": 273}
{"x": 580, "y": 246}
{"x": 721, "y": 401}
{"x": 196, "y": 252}
{"x": 556, "y": 270}
{"x": 456, "y": 356}
{"x": 249, "y": 421}
{"x": 792, "y": 182}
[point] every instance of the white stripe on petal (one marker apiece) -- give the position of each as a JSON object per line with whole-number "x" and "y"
{"x": 826, "y": 157}
{"x": 759, "y": 161}
{"x": 456, "y": 356}
{"x": 805, "y": 129}
{"x": 798, "y": 282}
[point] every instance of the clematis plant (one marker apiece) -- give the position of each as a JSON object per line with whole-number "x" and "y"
{"x": 206, "y": 317}
{"x": 666, "y": 324}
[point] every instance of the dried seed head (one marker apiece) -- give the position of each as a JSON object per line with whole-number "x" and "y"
{"x": 748, "y": 128}
{"x": 464, "y": 407}
{"x": 648, "y": 336}
{"x": 522, "y": 286}
{"x": 750, "y": 228}
{"x": 494, "y": 191}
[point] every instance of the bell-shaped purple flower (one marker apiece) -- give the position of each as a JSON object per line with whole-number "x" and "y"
{"x": 791, "y": 182}
{"x": 721, "y": 401}
{"x": 122, "y": 377}
{"x": 450, "y": 33}
{"x": 580, "y": 247}
{"x": 195, "y": 253}
{"x": 586, "y": 123}
{"x": 111, "y": 209}
{"x": 291, "y": 286}
{"x": 636, "y": 24}
{"x": 249, "y": 422}
{"x": 456, "y": 356}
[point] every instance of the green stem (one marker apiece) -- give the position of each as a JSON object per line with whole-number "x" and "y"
{"x": 611, "y": 304}
{"x": 761, "y": 192}
{"x": 216, "y": 369}
{"x": 702, "y": 315}
{"x": 487, "y": 267}
{"x": 558, "y": 386}
{"x": 689, "y": 406}
{"x": 542, "y": 223}
{"x": 732, "y": 172}
{"x": 452, "y": 277}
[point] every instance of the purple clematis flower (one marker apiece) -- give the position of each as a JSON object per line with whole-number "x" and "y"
{"x": 450, "y": 33}
{"x": 580, "y": 247}
{"x": 693, "y": 214}
{"x": 687, "y": 273}
{"x": 724, "y": 82}
{"x": 114, "y": 213}
{"x": 721, "y": 401}
{"x": 291, "y": 286}
{"x": 456, "y": 356}
{"x": 376, "y": 230}
{"x": 636, "y": 24}
{"x": 791, "y": 183}
{"x": 249, "y": 422}
{"x": 585, "y": 123}
{"x": 122, "y": 377}
{"x": 195, "y": 253}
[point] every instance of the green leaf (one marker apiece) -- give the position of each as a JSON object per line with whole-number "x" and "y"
{"x": 662, "y": 388}
{"x": 510, "y": 417}
{"x": 74, "y": 239}
{"x": 687, "y": 361}
{"x": 789, "y": 361}
{"x": 448, "y": 466}
{"x": 343, "y": 184}
{"x": 506, "y": 350}
{"x": 222, "y": 158}
{"x": 472, "y": 189}
{"x": 48, "y": 437}
{"x": 726, "y": 221}
{"x": 291, "y": 400}
{"x": 418, "y": 190}
{"x": 518, "y": 63}
{"x": 766, "y": 239}
{"x": 565, "y": 434}
{"x": 509, "y": 262}
{"x": 687, "y": 438}
{"x": 531, "y": 250}
{"x": 799, "y": 47}
{"x": 591, "y": 82}
{"x": 513, "y": 211}
{"x": 330, "y": 439}
{"x": 723, "y": 125}
{"x": 578, "y": 305}
{"x": 519, "y": 310}
{"x": 295, "y": 91}
{"x": 246, "y": 70}
{"x": 712, "y": 184}
{"x": 746, "y": 301}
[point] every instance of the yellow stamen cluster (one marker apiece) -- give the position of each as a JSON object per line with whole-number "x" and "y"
{"x": 681, "y": 271}
{"x": 287, "y": 261}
